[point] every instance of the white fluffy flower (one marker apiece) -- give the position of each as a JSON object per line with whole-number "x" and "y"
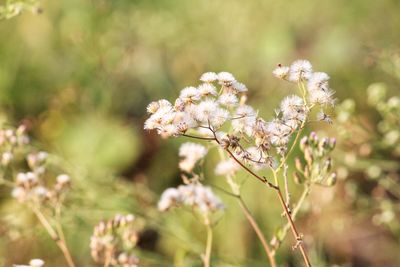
{"x": 207, "y": 89}
{"x": 281, "y": 72}
{"x": 193, "y": 195}
{"x": 239, "y": 87}
{"x": 244, "y": 119}
{"x": 169, "y": 198}
{"x": 300, "y": 70}
{"x": 209, "y": 77}
{"x": 318, "y": 81}
{"x": 189, "y": 94}
{"x": 228, "y": 99}
{"x": 205, "y": 110}
{"x": 321, "y": 97}
{"x": 227, "y": 167}
{"x": 208, "y": 111}
{"x": 191, "y": 153}
{"x": 226, "y": 78}
{"x": 256, "y": 158}
{"x": 279, "y": 133}
{"x": 293, "y": 109}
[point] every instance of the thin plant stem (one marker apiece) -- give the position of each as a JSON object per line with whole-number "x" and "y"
{"x": 207, "y": 255}
{"x": 280, "y": 196}
{"x": 53, "y": 234}
{"x": 257, "y": 230}
{"x": 296, "y": 234}
{"x": 295, "y": 211}
{"x": 249, "y": 217}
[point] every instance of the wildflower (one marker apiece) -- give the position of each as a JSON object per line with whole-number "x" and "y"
{"x": 194, "y": 195}
{"x": 244, "y": 120}
{"x": 226, "y": 78}
{"x": 300, "y": 70}
{"x": 207, "y": 89}
{"x": 228, "y": 99}
{"x": 168, "y": 199}
{"x": 322, "y": 97}
{"x": 189, "y": 94}
{"x": 279, "y": 133}
{"x": 191, "y": 154}
{"x": 281, "y": 72}
{"x": 209, "y": 77}
{"x": 239, "y": 87}
{"x": 318, "y": 81}
{"x": 293, "y": 110}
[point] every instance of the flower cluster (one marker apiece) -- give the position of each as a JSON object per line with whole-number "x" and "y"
{"x": 31, "y": 187}
{"x": 10, "y": 141}
{"x": 317, "y": 85}
{"x": 193, "y": 195}
{"x": 113, "y": 241}
{"x": 205, "y": 111}
{"x": 318, "y": 163}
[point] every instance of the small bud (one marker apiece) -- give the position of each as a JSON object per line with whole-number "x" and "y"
{"x": 313, "y": 138}
{"x": 331, "y": 179}
{"x": 303, "y": 143}
{"x": 298, "y": 164}
{"x": 308, "y": 156}
{"x": 327, "y": 165}
{"x": 332, "y": 143}
{"x": 297, "y": 177}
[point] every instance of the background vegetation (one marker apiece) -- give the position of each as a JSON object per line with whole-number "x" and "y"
{"x": 81, "y": 73}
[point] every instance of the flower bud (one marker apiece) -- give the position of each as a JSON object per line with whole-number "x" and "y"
{"x": 331, "y": 179}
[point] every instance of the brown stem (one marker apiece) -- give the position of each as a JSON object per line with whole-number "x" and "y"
{"x": 257, "y": 229}
{"x": 281, "y": 199}
{"x": 294, "y": 230}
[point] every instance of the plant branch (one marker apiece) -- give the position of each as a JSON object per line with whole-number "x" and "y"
{"x": 53, "y": 234}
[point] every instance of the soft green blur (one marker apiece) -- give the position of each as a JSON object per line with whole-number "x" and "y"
{"x": 81, "y": 73}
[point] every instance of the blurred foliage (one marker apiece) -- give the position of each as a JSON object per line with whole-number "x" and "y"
{"x": 81, "y": 72}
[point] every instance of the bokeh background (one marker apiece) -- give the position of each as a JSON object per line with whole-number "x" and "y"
{"x": 80, "y": 74}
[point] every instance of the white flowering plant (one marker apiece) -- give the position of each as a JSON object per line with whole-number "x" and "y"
{"x": 33, "y": 183}
{"x": 216, "y": 112}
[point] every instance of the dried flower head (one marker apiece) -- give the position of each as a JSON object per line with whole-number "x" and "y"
{"x": 113, "y": 241}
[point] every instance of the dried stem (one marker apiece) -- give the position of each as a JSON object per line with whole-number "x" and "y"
{"x": 279, "y": 193}
{"x": 254, "y": 225}
{"x": 53, "y": 234}
{"x": 236, "y": 193}
{"x": 295, "y": 210}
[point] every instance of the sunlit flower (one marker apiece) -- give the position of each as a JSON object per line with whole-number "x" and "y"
{"x": 300, "y": 70}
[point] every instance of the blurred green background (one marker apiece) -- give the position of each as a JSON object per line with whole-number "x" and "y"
{"x": 82, "y": 72}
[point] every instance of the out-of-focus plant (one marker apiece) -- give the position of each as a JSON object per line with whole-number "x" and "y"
{"x": 25, "y": 171}
{"x": 371, "y": 148}
{"x": 113, "y": 241}
{"x": 223, "y": 118}
{"x": 13, "y": 8}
